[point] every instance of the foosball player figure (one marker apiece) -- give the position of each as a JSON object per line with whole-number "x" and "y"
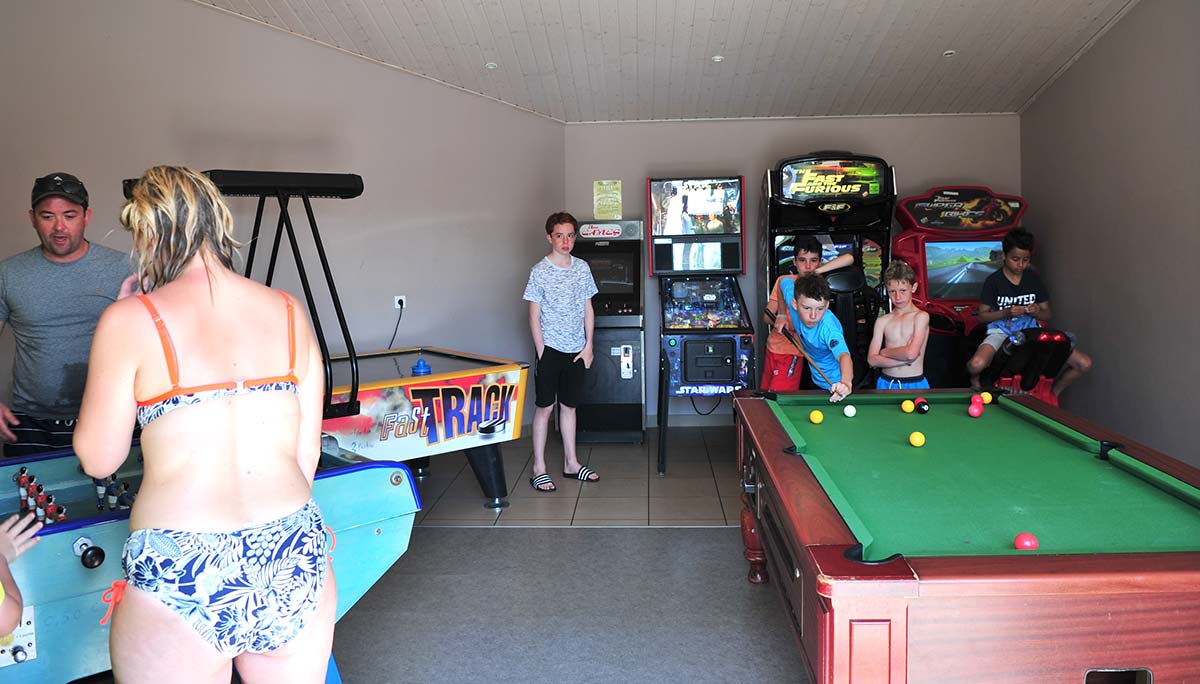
{"x": 24, "y": 479}
{"x": 101, "y": 484}
{"x": 112, "y": 491}
{"x": 125, "y": 500}
{"x": 39, "y": 503}
{"x": 53, "y": 510}
{"x": 31, "y": 495}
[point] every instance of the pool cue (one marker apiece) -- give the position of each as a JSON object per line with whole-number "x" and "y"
{"x": 796, "y": 343}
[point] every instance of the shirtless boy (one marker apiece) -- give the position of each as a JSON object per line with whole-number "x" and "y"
{"x": 898, "y": 343}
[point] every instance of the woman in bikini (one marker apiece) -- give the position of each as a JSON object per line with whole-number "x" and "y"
{"x": 227, "y": 558}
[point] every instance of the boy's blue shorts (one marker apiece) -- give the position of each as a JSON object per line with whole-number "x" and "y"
{"x": 887, "y": 382}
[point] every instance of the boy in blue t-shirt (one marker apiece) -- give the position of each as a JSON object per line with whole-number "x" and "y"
{"x": 821, "y": 336}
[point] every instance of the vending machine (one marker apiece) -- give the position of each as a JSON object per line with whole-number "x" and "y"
{"x": 614, "y": 403}
{"x": 697, "y": 249}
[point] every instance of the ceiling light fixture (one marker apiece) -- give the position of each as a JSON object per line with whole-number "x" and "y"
{"x": 949, "y": 53}
{"x": 717, "y": 59}
{"x": 491, "y": 66}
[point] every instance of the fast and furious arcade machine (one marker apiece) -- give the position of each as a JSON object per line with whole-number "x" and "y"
{"x": 697, "y": 246}
{"x": 614, "y": 405}
{"x": 952, "y": 237}
{"x": 845, "y": 200}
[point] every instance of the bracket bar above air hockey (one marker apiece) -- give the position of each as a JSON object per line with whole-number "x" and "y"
{"x": 284, "y": 186}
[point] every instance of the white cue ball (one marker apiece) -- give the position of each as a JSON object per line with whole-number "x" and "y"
{"x": 849, "y": 410}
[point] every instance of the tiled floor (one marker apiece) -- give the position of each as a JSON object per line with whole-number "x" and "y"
{"x": 701, "y": 486}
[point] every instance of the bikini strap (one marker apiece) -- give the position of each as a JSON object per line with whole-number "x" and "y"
{"x": 164, "y": 337}
{"x": 291, "y": 334}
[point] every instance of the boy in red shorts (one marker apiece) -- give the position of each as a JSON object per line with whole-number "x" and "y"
{"x": 782, "y": 363}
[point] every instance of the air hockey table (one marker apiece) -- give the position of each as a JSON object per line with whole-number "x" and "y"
{"x": 369, "y": 506}
{"x": 419, "y": 402}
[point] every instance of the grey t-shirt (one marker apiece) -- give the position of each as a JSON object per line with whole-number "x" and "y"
{"x": 52, "y": 309}
{"x": 562, "y": 293}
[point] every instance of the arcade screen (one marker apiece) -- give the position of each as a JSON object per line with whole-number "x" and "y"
{"x": 832, "y": 178}
{"x": 956, "y": 270}
{"x": 696, "y": 256}
{"x": 615, "y": 273}
{"x": 695, "y": 206}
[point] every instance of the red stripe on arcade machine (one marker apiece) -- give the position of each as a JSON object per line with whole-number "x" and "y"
{"x": 952, "y": 237}
{"x": 844, "y": 201}
{"x": 697, "y": 248}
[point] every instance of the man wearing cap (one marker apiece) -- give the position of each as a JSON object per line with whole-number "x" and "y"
{"x": 51, "y": 297}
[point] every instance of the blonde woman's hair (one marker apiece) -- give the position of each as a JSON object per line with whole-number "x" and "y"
{"x": 173, "y": 213}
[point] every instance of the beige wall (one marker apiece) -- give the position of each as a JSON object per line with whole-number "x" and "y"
{"x": 457, "y": 186}
{"x": 926, "y": 151}
{"x": 1111, "y": 169}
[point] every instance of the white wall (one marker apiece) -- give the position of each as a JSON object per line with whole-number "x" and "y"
{"x": 1111, "y": 167}
{"x": 457, "y": 186}
{"x": 926, "y": 151}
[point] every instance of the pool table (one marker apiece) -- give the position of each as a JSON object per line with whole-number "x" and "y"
{"x": 897, "y": 563}
{"x": 465, "y": 402}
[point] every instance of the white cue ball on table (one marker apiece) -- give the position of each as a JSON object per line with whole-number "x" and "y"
{"x": 849, "y": 410}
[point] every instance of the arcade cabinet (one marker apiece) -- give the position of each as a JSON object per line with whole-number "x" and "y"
{"x": 845, "y": 200}
{"x": 614, "y": 404}
{"x": 951, "y": 236}
{"x": 697, "y": 246}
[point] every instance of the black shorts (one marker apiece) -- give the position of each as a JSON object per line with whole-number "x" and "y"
{"x": 38, "y": 435}
{"x": 556, "y": 377}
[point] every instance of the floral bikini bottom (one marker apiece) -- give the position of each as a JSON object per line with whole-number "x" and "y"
{"x": 244, "y": 591}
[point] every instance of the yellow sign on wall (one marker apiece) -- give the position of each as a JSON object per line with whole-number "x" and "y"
{"x": 606, "y": 199}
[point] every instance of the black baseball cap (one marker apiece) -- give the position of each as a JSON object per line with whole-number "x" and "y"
{"x": 59, "y": 185}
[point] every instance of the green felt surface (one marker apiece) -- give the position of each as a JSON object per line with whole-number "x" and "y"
{"x": 978, "y": 482}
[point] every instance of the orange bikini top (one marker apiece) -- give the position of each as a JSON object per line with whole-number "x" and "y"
{"x": 152, "y": 409}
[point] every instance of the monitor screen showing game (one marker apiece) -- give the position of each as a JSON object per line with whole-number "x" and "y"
{"x": 695, "y": 206}
{"x": 615, "y": 272}
{"x": 957, "y": 269}
{"x": 696, "y": 256}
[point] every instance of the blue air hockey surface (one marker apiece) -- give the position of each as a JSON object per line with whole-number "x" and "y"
{"x": 369, "y": 505}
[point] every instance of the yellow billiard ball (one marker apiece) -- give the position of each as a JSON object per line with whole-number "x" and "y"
{"x": 987, "y": 397}
{"x": 907, "y": 406}
{"x": 916, "y": 439}
{"x": 816, "y": 417}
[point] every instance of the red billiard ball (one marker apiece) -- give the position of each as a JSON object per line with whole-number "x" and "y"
{"x": 975, "y": 410}
{"x": 976, "y": 398}
{"x": 1025, "y": 542}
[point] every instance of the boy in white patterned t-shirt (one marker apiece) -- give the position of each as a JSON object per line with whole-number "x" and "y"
{"x": 561, "y": 319}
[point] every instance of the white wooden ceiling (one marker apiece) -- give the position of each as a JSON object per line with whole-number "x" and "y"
{"x": 637, "y": 60}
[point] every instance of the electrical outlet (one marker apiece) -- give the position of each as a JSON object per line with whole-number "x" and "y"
{"x": 400, "y": 301}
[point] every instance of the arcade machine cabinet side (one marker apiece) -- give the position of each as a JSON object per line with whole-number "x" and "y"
{"x": 613, "y": 408}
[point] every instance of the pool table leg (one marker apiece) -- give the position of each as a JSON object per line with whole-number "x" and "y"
{"x": 754, "y": 548}
{"x": 489, "y": 470}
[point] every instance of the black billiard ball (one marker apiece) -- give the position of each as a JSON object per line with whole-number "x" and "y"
{"x": 922, "y": 406}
